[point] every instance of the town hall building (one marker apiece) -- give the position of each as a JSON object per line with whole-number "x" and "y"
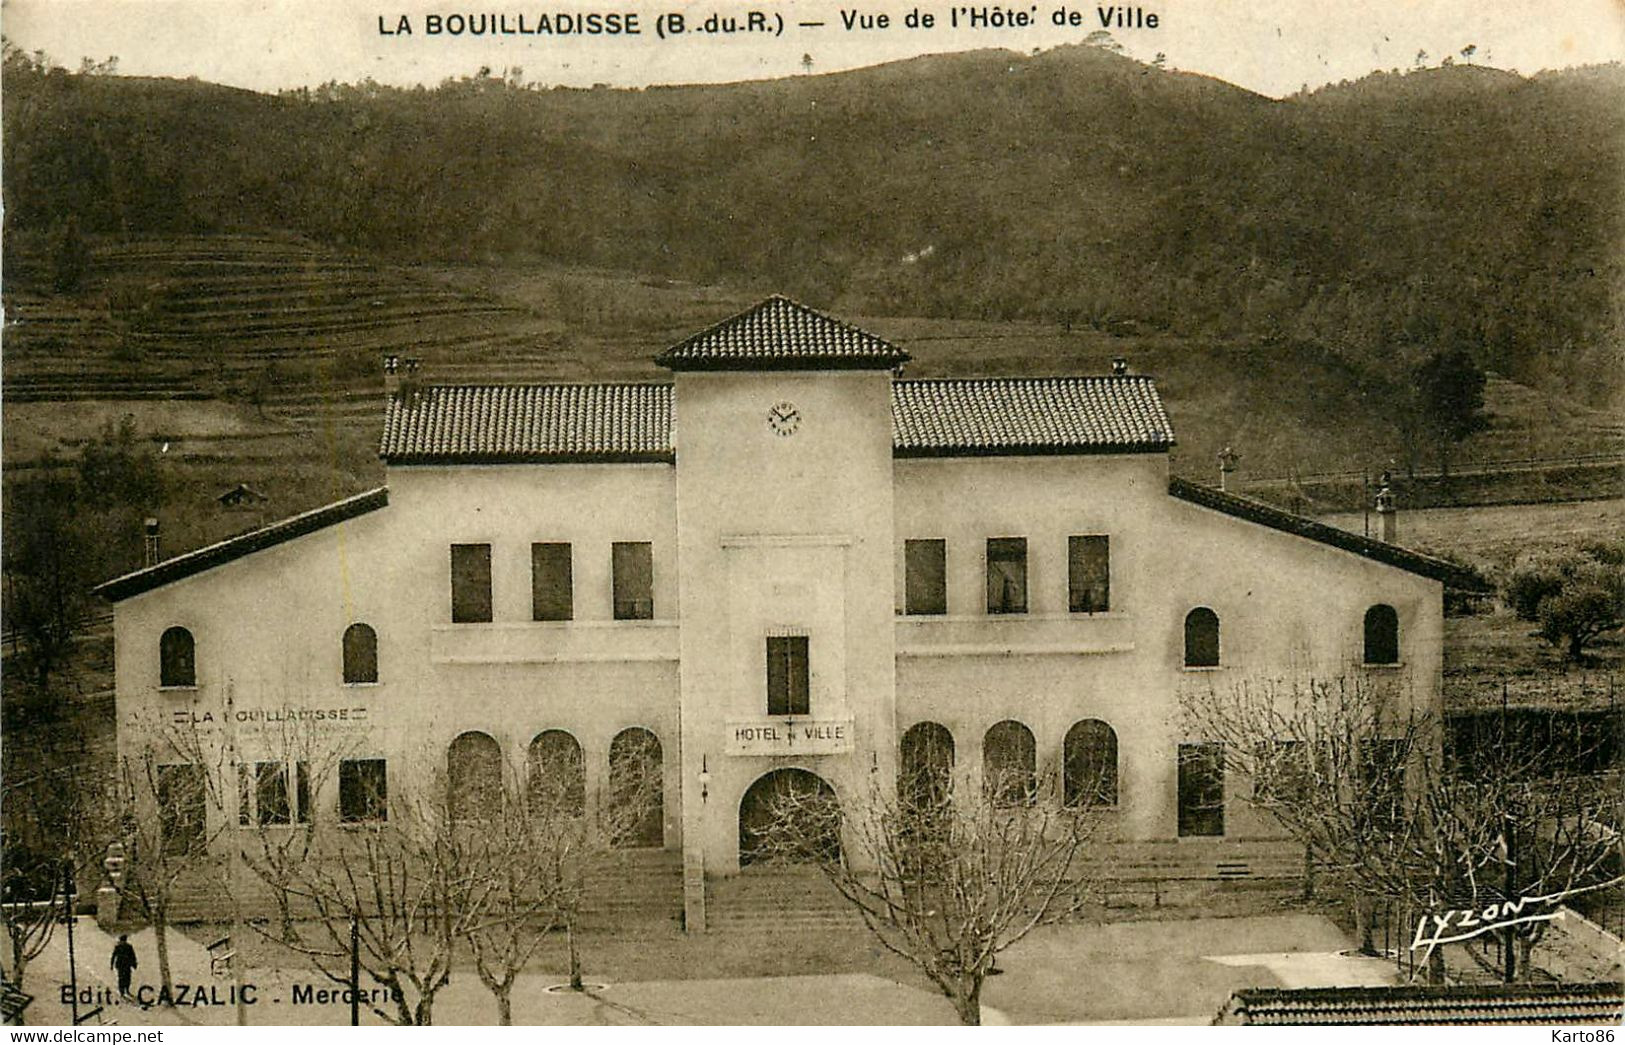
{"x": 789, "y": 561}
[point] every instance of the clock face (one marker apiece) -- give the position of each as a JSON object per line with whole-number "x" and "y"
{"x": 783, "y": 418}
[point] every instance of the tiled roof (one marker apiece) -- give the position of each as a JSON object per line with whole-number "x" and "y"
{"x": 1028, "y": 415}
{"x": 1451, "y": 575}
{"x": 780, "y": 334}
{"x": 495, "y": 424}
{"x": 209, "y": 557}
{"x": 1522, "y": 1004}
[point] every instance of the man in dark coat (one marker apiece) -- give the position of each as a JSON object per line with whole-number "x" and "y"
{"x": 124, "y": 961}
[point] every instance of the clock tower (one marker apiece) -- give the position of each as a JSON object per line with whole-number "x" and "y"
{"x": 783, "y": 434}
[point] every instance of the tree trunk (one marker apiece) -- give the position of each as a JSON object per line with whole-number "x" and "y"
{"x": 1436, "y": 969}
{"x": 1365, "y": 924}
{"x": 505, "y": 1007}
{"x": 968, "y": 1004}
{"x": 1308, "y": 873}
{"x": 160, "y": 935}
{"x": 1525, "y": 967}
{"x": 575, "y": 953}
{"x": 423, "y": 1014}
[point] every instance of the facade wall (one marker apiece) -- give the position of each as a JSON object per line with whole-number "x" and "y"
{"x": 1289, "y": 609}
{"x": 758, "y": 533}
{"x": 782, "y": 534}
{"x": 269, "y": 628}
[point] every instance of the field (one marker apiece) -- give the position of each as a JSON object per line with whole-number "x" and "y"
{"x": 1493, "y": 656}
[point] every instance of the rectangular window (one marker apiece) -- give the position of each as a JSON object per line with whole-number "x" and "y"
{"x": 271, "y": 793}
{"x": 363, "y": 790}
{"x": 550, "y": 596}
{"x": 301, "y": 786}
{"x": 1089, "y": 575}
{"x": 1007, "y": 575}
{"x": 1201, "y": 790}
{"x": 1283, "y": 772}
{"x": 181, "y": 808}
{"x": 263, "y": 796}
{"x": 632, "y": 563}
{"x": 471, "y": 583}
{"x": 925, "y": 577}
{"x": 787, "y": 675}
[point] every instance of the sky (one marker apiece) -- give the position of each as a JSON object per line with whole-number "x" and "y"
{"x": 1273, "y": 47}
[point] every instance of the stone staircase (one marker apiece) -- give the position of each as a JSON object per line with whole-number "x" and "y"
{"x": 635, "y": 886}
{"x": 644, "y": 887}
{"x": 777, "y": 899}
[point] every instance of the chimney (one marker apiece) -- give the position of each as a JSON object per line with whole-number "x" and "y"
{"x": 1387, "y": 509}
{"x": 1119, "y": 366}
{"x": 392, "y": 376}
{"x": 1228, "y": 459}
{"x": 150, "y": 553}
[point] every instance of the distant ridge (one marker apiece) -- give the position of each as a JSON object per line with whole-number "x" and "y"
{"x": 1379, "y": 220}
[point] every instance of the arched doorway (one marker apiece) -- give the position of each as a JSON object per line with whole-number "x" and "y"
{"x": 927, "y": 764}
{"x": 636, "y": 790}
{"x": 788, "y": 815}
{"x": 474, "y": 775}
{"x": 556, "y": 775}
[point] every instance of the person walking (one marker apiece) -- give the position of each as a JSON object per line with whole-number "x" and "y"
{"x": 124, "y": 961}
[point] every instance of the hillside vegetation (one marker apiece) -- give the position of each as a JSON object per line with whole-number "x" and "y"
{"x": 1372, "y": 221}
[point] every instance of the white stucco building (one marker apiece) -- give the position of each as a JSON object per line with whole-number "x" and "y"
{"x": 787, "y": 558}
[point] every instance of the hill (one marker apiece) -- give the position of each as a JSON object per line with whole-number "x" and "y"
{"x": 1075, "y": 187}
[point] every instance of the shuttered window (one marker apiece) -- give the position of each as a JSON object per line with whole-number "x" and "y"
{"x": 632, "y": 563}
{"x": 1089, "y": 572}
{"x": 787, "y": 675}
{"x": 470, "y": 583}
{"x": 550, "y": 581}
{"x": 925, "y": 577}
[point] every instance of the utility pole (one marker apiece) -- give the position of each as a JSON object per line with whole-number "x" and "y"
{"x": 355, "y": 971}
{"x": 236, "y": 943}
{"x": 67, "y": 916}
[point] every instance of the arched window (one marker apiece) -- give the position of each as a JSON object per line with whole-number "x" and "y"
{"x": 1090, "y": 770}
{"x": 1381, "y": 635}
{"x": 474, "y": 775}
{"x": 177, "y": 662}
{"x": 1010, "y": 762}
{"x": 637, "y": 789}
{"x": 926, "y": 754}
{"x": 1201, "y": 638}
{"x": 360, "y": 654}
{"x": 556, "y": 775}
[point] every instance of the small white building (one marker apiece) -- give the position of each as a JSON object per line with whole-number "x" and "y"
{"x": 787, "y": 558}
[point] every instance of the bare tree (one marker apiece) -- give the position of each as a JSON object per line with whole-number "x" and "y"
{"x": 165, "y": 796}
{"x": 511, "y": 896}
{"x": 495, "y": 859}
{"x": 1393, "y": 816}
{"x": 52, "y": 822}
{"x": 945, "y": 873}
{"x": 393, "y": 871}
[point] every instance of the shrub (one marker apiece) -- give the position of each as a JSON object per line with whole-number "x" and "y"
{"x": 1591, "y": 601}
{"x": 1527, "y": 588}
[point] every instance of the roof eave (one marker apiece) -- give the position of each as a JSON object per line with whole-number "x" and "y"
{"x": 200, "y": 560}
{"x": 409, "y": 460}
{"x": 1248, "y": 510}
{"x": 1033, "y": 450}
{"x": 804, "y": 363}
